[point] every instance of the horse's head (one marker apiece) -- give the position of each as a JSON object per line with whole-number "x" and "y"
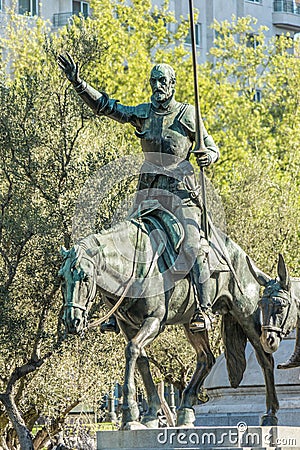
{"x": 78, "y": 287}
{"x": 276, "y": 305}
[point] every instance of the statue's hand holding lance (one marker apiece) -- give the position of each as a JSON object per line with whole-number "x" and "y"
{"x": 204, "y": 159}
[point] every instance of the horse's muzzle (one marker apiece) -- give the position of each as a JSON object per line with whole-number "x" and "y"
{"x": 74, "y": 323}
{"x": 270, "y": 341}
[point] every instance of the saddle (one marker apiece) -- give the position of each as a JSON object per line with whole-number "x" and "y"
{"x": 169, "y": 234}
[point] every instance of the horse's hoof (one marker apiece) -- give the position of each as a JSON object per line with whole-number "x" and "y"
{"x": 150, "y": 421}
{"x": 133, "y": 426}
{"x": 130, "y": 414}
{"x": 269, "y": 419}
{"x": 186, "y": 418}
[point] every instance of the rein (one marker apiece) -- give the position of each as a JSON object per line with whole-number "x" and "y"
{"x": 103, "y": 319}
{"x": 98, "y": 322}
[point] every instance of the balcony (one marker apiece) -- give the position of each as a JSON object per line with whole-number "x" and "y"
{"x": 61, "y": 19}
{"x": 286, "y": 14}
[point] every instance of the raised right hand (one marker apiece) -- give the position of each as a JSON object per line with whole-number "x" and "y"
{"x": 68, "y": 66}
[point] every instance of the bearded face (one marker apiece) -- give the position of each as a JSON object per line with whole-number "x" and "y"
{"x": 162, "y": 83}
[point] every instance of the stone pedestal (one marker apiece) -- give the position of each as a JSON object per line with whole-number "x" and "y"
{"x": 230, "y": 420}
{"x": 209, "y": 438}
{"x": 228, "y": 406}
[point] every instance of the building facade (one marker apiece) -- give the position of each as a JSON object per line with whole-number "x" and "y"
{"x": 280, "y": 16}
{"x": 58, "y": 12}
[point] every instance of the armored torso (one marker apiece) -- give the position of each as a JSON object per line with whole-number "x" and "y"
{"x": 166, "y": 131}
{"x": 163, "y": 132}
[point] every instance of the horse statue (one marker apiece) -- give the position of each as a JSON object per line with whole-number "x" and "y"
{"x": 280, "y": 307}
{"x": 145, "y": 301}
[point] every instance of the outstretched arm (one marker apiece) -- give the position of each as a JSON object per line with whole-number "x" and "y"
{"x": 99, "y": 102}
{"x": 94, "y": 99}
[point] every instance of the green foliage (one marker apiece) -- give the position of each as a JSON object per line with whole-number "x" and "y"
{"x": 258, "y": 174}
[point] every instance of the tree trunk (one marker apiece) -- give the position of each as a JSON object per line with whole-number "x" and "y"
{"x": 22, "y": 431}
{"x": 42, "y": 435}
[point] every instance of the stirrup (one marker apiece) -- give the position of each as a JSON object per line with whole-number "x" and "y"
{"x": 110, "y": 327}
{"x": 200, "y": 322}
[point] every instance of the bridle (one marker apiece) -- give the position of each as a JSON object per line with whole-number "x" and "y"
{"x": 91, "y": 293}
{"x": 281, "y": 330}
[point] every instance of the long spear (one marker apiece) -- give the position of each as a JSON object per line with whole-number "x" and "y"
{"x": 199, "y": 140}
{"x": 200, "y": 148}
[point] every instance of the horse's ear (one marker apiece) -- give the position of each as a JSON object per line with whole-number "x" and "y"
{"x": 283, "y": 274}
{"x": 64, "y": 252}
{"x": 260, "y": 276}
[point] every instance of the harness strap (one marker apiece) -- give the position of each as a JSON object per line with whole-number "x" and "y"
{"x": 98, "y": 322}
{"x": 285, "y": 332}
{"x": 76, "y": 305}
{"x": 271, "y": 328}
{"x": 281, "y": 329}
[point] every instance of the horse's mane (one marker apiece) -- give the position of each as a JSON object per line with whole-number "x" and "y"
{"x": 88, "y": 242}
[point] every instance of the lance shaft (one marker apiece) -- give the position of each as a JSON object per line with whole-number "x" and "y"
{"x": 199, "y": 140}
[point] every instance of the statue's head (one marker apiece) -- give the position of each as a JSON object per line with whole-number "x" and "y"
{"x": 162, "y": 81}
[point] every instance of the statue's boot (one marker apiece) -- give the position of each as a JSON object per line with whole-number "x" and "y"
{"x": 294, "y": 359}
{"x": 202, "y": 318}
{"x": 111, "y": 326}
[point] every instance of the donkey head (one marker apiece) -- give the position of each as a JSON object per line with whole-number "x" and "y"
{"x": 275, "y": 304}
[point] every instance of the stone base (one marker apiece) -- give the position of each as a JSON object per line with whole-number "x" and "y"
{"x": 247, "y": 403}
{"x": 208, "y": 438}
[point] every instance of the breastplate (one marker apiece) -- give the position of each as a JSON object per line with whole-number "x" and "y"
{"x": 164, "y": 134}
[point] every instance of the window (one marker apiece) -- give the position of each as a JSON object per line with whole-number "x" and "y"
{"x": 257, "y": 96}
{"x": 81, "y": 8}
{"x": 0, "y": 5}
{"x": 28, "y": 7}
{"x": 198, "y": 36}
{"x": 252, "y": 41}
{"x": 288, "y": 6}
{"x": 255, "y": 1}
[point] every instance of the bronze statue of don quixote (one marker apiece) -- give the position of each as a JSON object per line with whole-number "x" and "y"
{"x": 177, "y": 284}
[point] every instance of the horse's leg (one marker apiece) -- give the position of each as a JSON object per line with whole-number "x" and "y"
{"x": 266, "y": 361}
{"x": 205, "y": 361}
{"x": 150, "y": 418}
{"x": 148, "y": 331}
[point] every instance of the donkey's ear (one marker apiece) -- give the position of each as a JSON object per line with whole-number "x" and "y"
{"x": 64, "y": 252}
{"x": 283, "y": 274}
{"x": 260, "y": 276}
